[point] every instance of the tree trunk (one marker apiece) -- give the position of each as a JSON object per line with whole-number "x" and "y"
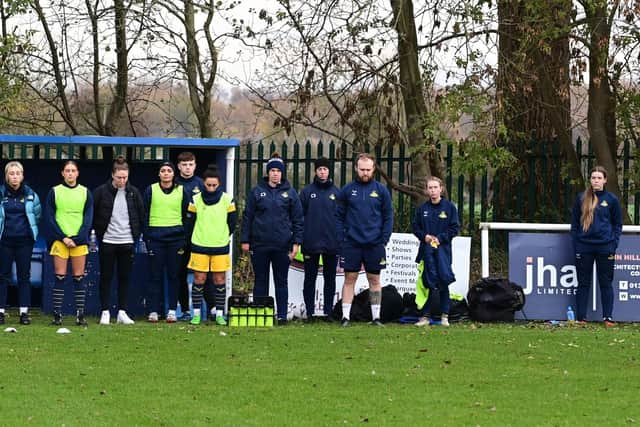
{"x": 199, "y": 80}
{"x": 601, "y": 119}
{"x": 425, "y": 158}
{"x": 122, "y": 70}
{"x": 64, "y": 110}
{"x": 534, "y": 104}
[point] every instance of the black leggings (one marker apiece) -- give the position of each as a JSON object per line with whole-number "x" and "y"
{"x": 120, "y": 257}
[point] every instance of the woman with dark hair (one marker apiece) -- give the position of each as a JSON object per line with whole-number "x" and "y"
{"x": 596, "y": 227}
{"x": 68, "y": 214}
{"x": 20, "y": 214}
{"x": 435, "y": 224}
{"x": 118, "y": 219}
{"x": 215, "y": 220}
{"x": 166, "y": 206}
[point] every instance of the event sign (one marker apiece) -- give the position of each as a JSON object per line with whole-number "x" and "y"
{"x": 544, "y": 265}
{"x": 401, "y": 272}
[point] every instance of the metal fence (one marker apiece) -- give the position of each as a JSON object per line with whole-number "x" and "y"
{"x": 471, "y": 194}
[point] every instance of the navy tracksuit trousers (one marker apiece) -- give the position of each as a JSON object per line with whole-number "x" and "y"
{"x": 163, "y": 255}
{"x": 604, "y": 266}
{"x": 279, "y": 261}
{"x": 329, "y": 263}
{"x": 18, "y": 250}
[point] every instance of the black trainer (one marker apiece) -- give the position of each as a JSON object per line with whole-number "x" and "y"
{"x": 57, "y": 319}
{"x": 24, "y": 319}
{"x": 1, "y": 318}
{"x": 282, "y": 322}
{"x": 81, "y": 321}
{"x": 345, "y": 322}
{"x": 376, "y": 322}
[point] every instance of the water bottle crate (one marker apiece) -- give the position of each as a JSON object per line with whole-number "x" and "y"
{"x": 243, "y": 312}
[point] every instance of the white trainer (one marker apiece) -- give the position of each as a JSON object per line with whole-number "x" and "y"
{"x": 105, "y": 317}
{"x": 153, "y": 317}
{"x": 123, "y": 319}
{"x": 423, "y": 321}
{"x": 444, "y": 320}
{"x": 171, "y": 317}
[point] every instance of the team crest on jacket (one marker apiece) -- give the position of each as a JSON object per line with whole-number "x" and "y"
{"x": 313, "y": 195}
{"x": 285, "y": 195}
{"x": 332, "y": 196}
{"x": 442, "y": 215}
{"x": 195, "y": 190}
{"x": 604, "y": 204}
{"x": 374, "y": 193}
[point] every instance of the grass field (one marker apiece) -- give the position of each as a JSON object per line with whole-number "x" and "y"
{"x": 320, "y": 374}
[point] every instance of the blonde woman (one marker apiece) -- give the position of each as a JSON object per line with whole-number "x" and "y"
{"x": 596, "y": 226}
{"x": 435, "y": 224}
{"x": 20, "y": 214}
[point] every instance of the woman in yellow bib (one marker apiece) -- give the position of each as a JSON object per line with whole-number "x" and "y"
{"x": 166, "y": 206}
{"x": 68, "y": 214}
{"x": 215, "y": 220}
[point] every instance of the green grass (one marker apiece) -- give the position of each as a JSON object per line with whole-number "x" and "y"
{"x": 319, "y": 374}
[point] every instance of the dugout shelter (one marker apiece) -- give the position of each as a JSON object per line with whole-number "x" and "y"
{"x": 43, "y": 156}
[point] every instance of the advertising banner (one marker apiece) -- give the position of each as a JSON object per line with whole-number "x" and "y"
{"x": 543, "y": 264}
{"x": 401, "y": 272}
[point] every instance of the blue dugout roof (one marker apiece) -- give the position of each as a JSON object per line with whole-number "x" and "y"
{"x": 120, "y": 140}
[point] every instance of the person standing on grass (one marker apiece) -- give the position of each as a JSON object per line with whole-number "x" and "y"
{"x": 68, "y": 214}
{"x": 272, "y": 227}
{"x": 192, "y": 185}
{"x": 166, "y": 206}
{"x": 319, "y": 206}
{"x": 118, "y": 220}
{"x": 435, "y": 224}
{"x": 596, "y": 226}
{"x": 20, "y": 214}
{"x": 364, "y": 222}
{"x": 214, "y": 213}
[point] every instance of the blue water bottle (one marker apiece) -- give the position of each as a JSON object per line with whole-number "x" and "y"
{"x": 93, "y": 241}
{"x": 571, "y": 316}
{"x": 142, "y": 245}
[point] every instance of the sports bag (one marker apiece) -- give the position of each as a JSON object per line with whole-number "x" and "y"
{"x": 495, "y": 299}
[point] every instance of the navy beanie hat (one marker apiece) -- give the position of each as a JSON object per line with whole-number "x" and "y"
{"x": 322, "y": 162}
{"x": 275, "y": 163}
{"x": 167, "y": 164}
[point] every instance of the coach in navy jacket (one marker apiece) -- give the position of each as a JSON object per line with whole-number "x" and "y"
{"x": 319, "y": 203}
{"x": 364, "y": 222}
{"x": 272, "y": 227}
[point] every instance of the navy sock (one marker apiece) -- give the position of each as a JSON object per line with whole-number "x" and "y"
{"x": 221, "y": 294}
{"x": 80, "y": 292}
{"x": 210, "y": 295}
{"x": 196, "y": 295}
{"x": 58, "y": 293}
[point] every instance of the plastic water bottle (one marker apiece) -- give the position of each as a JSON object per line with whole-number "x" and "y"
{"x": 142, "y": 245}
{"x": 93, "y": 242}
{"x": 571, "y": 316}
